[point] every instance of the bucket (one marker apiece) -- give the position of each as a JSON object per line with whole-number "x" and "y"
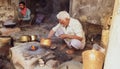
{"x": 93, "y": 59}
{"x": 6, "y": 40}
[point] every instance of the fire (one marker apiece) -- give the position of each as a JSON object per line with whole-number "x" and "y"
{"x": 33, "y": 48}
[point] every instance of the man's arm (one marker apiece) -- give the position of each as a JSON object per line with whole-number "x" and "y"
{"x": 51, "y": 33}
{"x": 63, "y": 36}
{"x": 19, "y": 16}
{"x": 53, "y": 30}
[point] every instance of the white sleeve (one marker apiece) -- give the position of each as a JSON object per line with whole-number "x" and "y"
{"x": 56, "y": 27}
{"x": 78, "y": 30}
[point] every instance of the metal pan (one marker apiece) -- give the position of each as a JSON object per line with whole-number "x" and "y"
{"x": 9, "y": 25}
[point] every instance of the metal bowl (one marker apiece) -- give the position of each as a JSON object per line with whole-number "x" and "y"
{"x": 33, "y": 37}
{"x": 53, "y": 47}
{"x": 24, "y": 38}
{"x": 45, "y": 42}
{"x": 10, "y": 25}
{"x": 5, "y": 40}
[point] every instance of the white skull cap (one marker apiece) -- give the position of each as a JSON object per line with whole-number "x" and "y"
{"x": 63, "y": 15}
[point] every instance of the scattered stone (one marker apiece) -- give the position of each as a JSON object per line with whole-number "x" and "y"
{"x": 9, "y": 31}
{"x": 71, "y": 65}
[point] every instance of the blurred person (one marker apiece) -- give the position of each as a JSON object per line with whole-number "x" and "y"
{"x": 23, "y": 12}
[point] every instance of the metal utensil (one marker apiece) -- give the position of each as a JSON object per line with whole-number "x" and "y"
{"x": 33, "y": 37}
{"x": 46, "y": 42}
{"x": 24, "y": 38}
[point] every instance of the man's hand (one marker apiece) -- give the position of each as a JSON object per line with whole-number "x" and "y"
{"x": 63, "y": 36}
{"x": 51, "y": 33}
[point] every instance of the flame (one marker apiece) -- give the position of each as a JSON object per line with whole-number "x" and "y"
{"x": 33, "y": 48}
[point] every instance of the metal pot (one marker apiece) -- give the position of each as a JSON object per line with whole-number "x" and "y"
{"x": 10, "y": 25}
{"x": 45, "y": 42}
{"x": 33, "y": 37}
{"x": 6, "y": 40}
{"x": 24, "y": 38}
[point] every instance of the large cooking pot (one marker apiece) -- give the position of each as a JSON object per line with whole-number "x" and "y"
{"x": 6, "y": 40}
{"x": 45, "y": 42}
{"x": 25, "y": 38}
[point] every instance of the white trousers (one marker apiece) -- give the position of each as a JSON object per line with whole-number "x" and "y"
{"x": 77, "y": 44}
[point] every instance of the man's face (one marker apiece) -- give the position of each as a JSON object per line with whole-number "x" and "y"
{"x": 21, "y": 6}
{"x": 64, "y": 22}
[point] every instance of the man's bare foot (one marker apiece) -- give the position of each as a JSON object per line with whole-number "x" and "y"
{"x": 70, "y": 51}
{"x": 63, "y": 47}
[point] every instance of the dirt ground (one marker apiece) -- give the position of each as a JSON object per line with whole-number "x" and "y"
{"x": 42, "y": 31}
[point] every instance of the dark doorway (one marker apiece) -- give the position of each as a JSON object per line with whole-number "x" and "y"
{"x": 48, "y": 8}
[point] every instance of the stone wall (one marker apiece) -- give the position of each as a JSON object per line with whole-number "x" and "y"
{"x": 7, "y": 7}
{"x": 95, "y": 15}
{"x": 95, "y": 11}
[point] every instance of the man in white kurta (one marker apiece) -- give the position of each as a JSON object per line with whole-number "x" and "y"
{"x": 70, "y": 30}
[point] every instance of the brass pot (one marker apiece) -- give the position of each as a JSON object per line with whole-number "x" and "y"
{"x": 24, "y": 38}
{"x": 33, "y": 37}
{"x": 93, "y": 59}
{"x": 5, "y": 40}
{"x": 45, "y": 42}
